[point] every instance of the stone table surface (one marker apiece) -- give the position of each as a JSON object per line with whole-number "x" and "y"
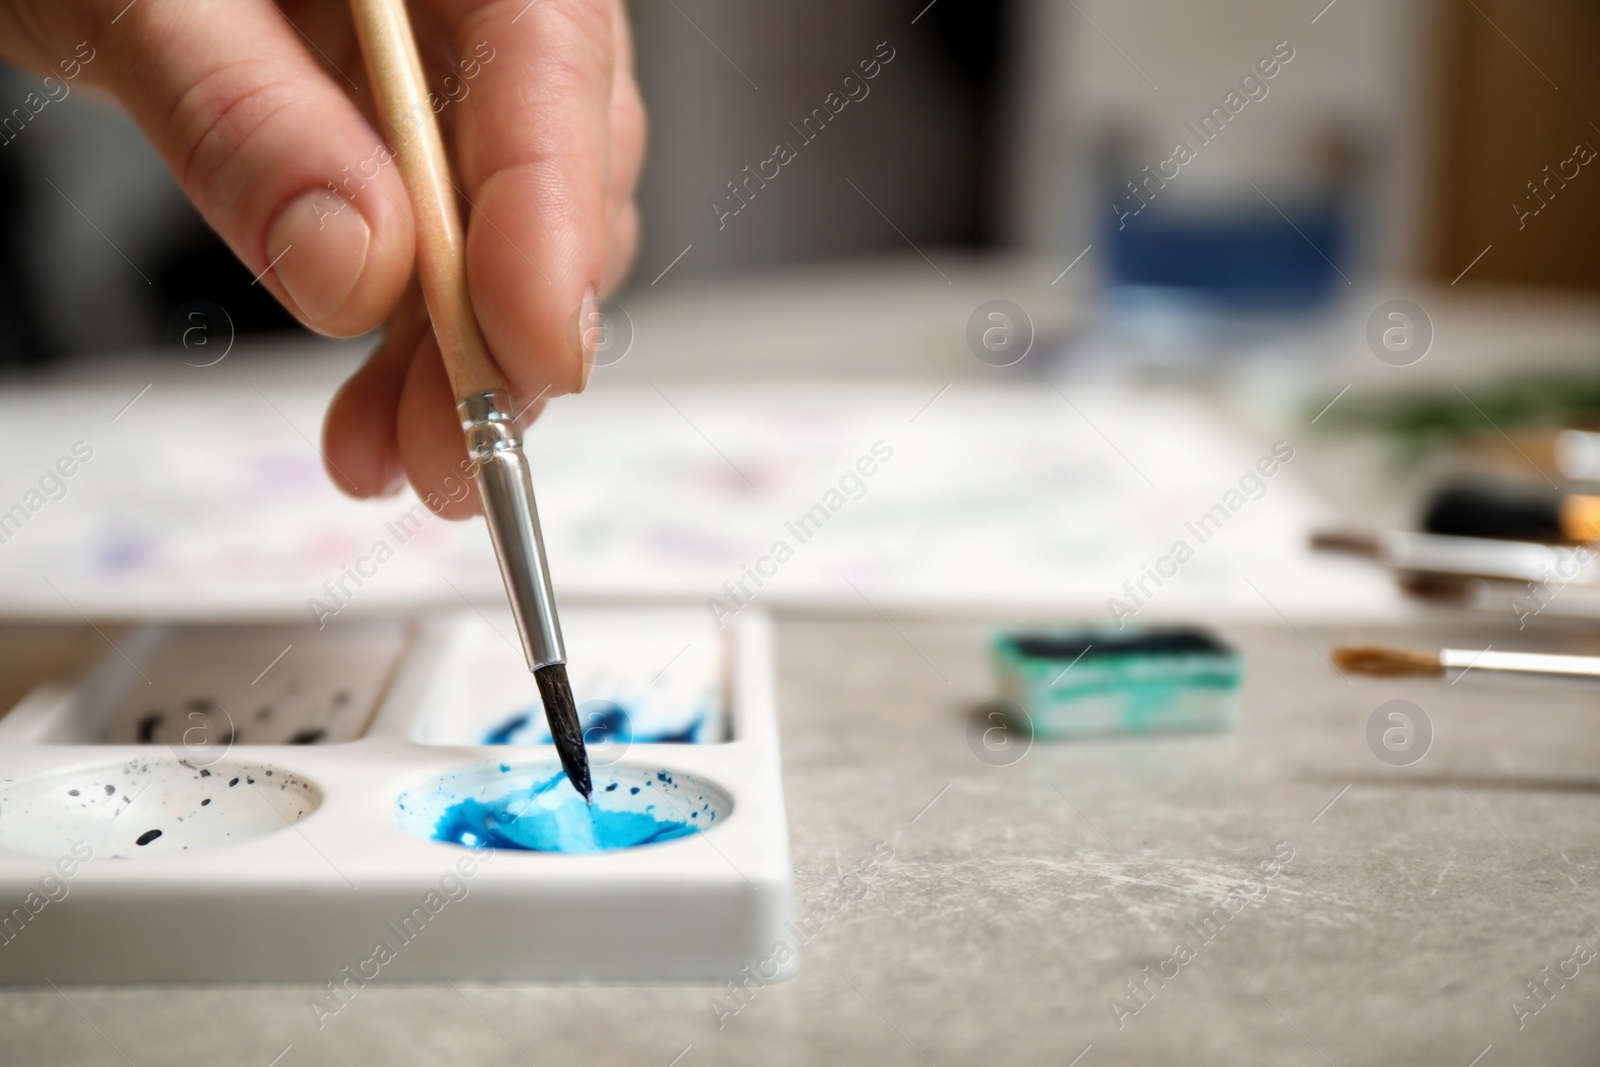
{"x": 1399, "y": 914}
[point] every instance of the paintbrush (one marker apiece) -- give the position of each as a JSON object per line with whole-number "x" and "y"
{"x": 1513, "y": 513}
{"x": 483, "y": 395}
{"x": 1383, "y": 662}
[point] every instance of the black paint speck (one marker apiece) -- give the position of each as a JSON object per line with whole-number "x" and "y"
{"x": 148, "y": 725}
{"x": 204, "y": 802}
{"x": 147, "y": 837}
{"x": 308, "y": 736}
{"x": 249, "y": 780}
{"x": 204, "y": 773}
{"x": 72, "y": 792}
{"x": 234, "y": 782}
{"x": 110, "y": 789}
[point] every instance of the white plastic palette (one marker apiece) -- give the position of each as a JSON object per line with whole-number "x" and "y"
{"x": 668, "y": 683}
{"x": 190, "y": 808}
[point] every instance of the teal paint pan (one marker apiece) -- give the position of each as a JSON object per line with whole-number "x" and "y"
{"x": 1089, "y": 682}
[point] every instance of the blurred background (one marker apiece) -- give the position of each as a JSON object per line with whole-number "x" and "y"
{"x": 1268, "y": 213}
{"x": 1398, "y": 140}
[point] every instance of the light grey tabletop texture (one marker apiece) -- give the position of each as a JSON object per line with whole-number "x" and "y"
{"x": 1020, "y": 899}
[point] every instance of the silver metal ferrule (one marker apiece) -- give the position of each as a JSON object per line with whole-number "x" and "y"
{"x": 495, "y": 445}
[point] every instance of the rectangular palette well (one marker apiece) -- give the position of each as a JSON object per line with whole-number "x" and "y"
{"x": 258, "y": 803}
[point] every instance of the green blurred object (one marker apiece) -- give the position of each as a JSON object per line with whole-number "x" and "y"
{"x": 1084, "y": 682}
{"x": 1424, "y": 422}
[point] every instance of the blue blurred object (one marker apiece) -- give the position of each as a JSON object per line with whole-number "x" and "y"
{"x": 1233, "y": 259}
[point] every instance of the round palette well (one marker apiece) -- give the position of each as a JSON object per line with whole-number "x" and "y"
{"x": 147, "y": 807}
{"x": 532, "y": 807}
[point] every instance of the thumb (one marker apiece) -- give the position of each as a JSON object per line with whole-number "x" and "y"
{"x": 271, "y": 151}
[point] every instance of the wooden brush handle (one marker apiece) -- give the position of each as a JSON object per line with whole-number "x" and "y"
{"x": 402, "y": 96}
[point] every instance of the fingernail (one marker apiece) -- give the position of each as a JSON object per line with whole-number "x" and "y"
{"x": 317, "y": 247}
{"x": 587, "y": 331}
{"x": 395, "y": 473}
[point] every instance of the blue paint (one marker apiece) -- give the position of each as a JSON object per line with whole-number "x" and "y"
{"x": 520, "y": 821}
{"x": 501, "y": 735}
{"x": 685, "y": 736}
{"x": 605, "y": 722}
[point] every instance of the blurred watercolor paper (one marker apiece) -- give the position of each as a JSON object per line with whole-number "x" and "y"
{"x": 1016, "y": 498}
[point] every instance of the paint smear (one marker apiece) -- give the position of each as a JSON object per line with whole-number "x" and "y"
{"x": 550, "y": 816}
{"x": 604, "y": 722}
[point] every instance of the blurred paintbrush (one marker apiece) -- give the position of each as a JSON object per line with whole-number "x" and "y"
{"x": 1384, "y": 662}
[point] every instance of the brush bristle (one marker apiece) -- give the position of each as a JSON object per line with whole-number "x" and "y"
{"x": 1387, "y": 662}
{"x": 565, "y": 730}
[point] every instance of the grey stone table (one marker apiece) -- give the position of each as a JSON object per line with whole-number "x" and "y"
{"x": 1370, "y": 914}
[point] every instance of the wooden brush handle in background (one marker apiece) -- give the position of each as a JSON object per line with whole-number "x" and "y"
{"x": 395, "y": 69}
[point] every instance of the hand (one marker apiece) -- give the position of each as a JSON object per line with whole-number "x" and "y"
{"x": 258, "y": 107}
